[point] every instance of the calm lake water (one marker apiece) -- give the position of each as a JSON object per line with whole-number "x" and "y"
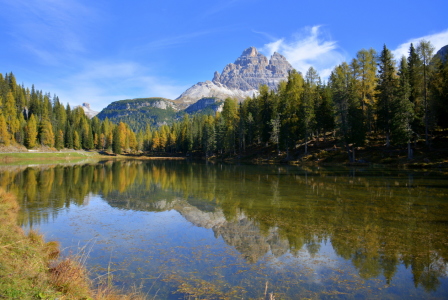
{"x": 183, "y": 229}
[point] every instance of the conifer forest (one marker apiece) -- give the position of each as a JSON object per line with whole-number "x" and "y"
{"x": 402, "y": 100}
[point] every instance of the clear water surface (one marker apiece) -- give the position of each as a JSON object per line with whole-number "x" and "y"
{"x": 181, "y": 229}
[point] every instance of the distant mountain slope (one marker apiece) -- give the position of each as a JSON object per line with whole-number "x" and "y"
{"x": 443, "y": 53}
{"x": 139, "y": 112}
{"x": 240, "y": 79}
{"x": 206, "y": 106}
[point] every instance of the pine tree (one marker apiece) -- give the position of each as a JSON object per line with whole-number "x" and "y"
{"x": 164, "y": 133}
{"x": 414, "y": 68}
{"x": 340, "y": 80}
{"x": 387, "y": 91}
{"x": 209, "y": 136}
{"x": 266, "y": 112}
{"x": 102, "y": 141}
{"x": 10, "y": 113}
{"x": 31, "y": 132}
{"x": 365, "y": 66}
{"x": 425, "y": 52}
{"x": 69, "y": 136}
{"x": 4, "y": 134}
{"x": 439, "y": 90}
{"x": 230, "y": 118}
{"x": 309, "y": 99}
{"x": 156, "y": 142}
{"x": 325, "y": 110}
{"x": 119, "y": 138}
{"x": 290, "y": 98}
{"x": 46, "y": 135}
{"x": 86, "y": 134}
{"x": 59, "y": 142}
{"x": 147, "y": 138}
{"x": 402, "y": 110}
{"x": 133, "y": 144}
{"x": 76, "y": 140}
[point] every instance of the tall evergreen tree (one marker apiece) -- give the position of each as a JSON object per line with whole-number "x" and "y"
{"x": 209, "y": 136}
{"x": 76, "y": 140}
{"x": 46, "y": 135}
{"x": 5, "y": 138}
{"x": 414, "y": 69}
{"x": 387, "y": 91}
{"x": 348, "y": 109}
{"x": 402, "y": 110}
{"x": 59, "y": 140}
{"x": 290, "y": 102}
{"x": 10, "y": 113}
{"x": 230, "y": 118}
{"x": 309, "y": 98}
{"x": 366, "y": 82}
{"x": 325, "y": 110}
{"x": 69, "y": 135}
{"x": 425, "y": 52}
{"x": 31, "y": 132}
{"x": 439, "y": 90}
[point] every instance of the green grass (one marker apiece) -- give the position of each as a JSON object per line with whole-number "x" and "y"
{"x": 26, "y": 158}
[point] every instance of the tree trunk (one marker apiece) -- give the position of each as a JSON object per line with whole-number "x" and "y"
{"x": 409, "y": 150}
{"x": 353, "y": 153}
{"x": 306, "y": 144}
{"x": 350, "y": 158}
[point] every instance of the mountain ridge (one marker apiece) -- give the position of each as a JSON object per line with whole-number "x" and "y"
{"x": 240, "y": 79}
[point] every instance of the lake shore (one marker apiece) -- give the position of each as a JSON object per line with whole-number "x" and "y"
{"x": 324, "y": 152}
{"x": 32, "y": 269}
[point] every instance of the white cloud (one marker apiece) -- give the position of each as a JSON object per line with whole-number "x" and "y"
{"x": 438, "y": 40}
{"x": 309, "y": 48}
{"x": 100, "y": 83}
{"x": 52, "y": 30}
{"x": 221, "y": 6}
{"x": 171, "y": 41}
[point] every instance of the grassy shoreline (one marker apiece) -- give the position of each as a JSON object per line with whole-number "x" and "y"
{"x": 324, "y": 153}
{"x": 31, "y": 268}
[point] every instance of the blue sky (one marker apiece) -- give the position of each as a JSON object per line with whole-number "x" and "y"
{"x": 106, "y": 50}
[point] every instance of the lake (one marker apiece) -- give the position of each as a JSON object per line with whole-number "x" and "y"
{"x": 180, "y": 229}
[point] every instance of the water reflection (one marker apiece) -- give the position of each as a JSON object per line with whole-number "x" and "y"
{"x": 378, "y": 220}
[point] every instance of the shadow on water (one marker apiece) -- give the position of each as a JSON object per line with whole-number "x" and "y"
{"x": 319, "y": 233}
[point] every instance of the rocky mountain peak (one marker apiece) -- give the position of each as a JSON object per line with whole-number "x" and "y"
{"x": 250, "y": 57}
{"x": 242, "y": 78}
{"x": 251, "y": 51}
{"x": 90, "y": 113}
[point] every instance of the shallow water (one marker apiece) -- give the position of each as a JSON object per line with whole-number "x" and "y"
{"x": 178, "y": 229}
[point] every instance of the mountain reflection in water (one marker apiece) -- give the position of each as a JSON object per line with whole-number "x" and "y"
{"x": 389, "y": 225}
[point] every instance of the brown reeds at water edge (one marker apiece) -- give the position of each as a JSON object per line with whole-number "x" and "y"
{"x": 31, "y": 268}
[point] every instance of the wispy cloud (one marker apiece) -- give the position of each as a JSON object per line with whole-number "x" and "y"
{"x": 308, "y": 48}
{"x": 438, "y": 40}
{"x": 172, "y": 41}
{"x": 50, "y": 29}
{"x": 219, "y": 7}
{"x": 100, "y": 83}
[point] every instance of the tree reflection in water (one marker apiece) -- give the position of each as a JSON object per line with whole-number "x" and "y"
{"x": 377, "y": 219}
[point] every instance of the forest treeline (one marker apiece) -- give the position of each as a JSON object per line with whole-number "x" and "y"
{"x": 403, "y": 101}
